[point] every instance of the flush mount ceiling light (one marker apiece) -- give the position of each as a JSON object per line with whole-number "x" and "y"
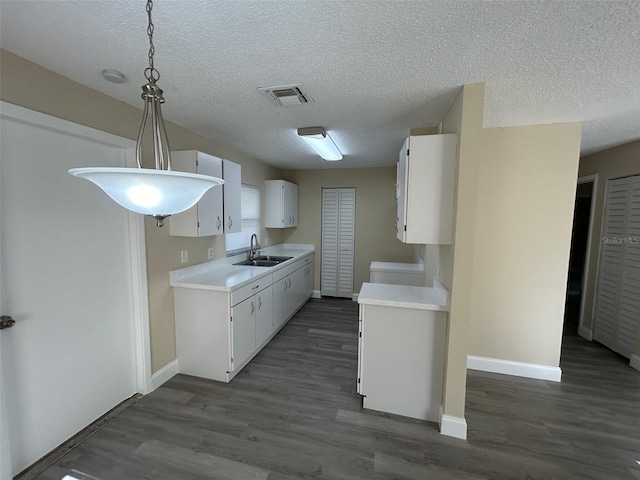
{"x": 321, "y": 142}
{"x": 113, "y": 76}
{"x": 158, "y": 192}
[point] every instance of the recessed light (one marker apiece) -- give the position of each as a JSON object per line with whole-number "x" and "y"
{"x": 113, "y": 76}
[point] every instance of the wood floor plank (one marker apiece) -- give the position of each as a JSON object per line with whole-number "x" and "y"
{"x": 293, "y": 413}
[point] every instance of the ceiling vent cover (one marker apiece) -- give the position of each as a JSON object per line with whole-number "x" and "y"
{"x": 287, "y": 95}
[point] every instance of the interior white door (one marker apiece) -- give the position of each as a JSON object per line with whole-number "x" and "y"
{"x": 617, "y": 312}
{"x": 66, "y": 279}
{"x": 338, "y": 240}
{"x": 5, "y": 457}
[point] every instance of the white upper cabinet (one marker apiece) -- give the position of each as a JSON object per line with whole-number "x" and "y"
{"x": 232, "y": 188}
{"x": 205, "y": 218}
{"x": 281, "y": 199}
{"x": 426, "y": 176}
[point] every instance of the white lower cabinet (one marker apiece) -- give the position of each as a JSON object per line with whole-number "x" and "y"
{"x": 264, "y": 315}
{"x": 251, "y": 325}
{"x": 219, "y": 332}
{"x": 243, "y": 331}
{"x": 401, "y": 360}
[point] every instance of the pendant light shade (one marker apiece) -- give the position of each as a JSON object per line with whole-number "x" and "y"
{"x": 158, "y": 192}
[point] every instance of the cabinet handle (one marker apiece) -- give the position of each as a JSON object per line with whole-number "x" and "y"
{"x": 259, "y": 302}
{"x": 230, "y": 221}
{"x": 219, "y": 223}
{"x": 289, "y": 283}
{"x": 256, "y": 287}
{"x": 253, "y": 307}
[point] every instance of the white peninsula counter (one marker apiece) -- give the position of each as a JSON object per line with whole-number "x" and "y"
{"x": 401, "y": 348}
{"x": 225, "y": 313}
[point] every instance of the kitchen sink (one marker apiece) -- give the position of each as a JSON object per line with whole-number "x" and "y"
{"x": 273, "y": 258}
{"x": 264, "y": 261}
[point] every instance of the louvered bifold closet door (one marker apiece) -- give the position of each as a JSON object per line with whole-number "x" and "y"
{"x": 617, "y": 313}
{"x": 329, "y": 272}
{"x": 629, "y": 311}
{"x": 338, "y": 239}
{"x": 346, "y": 240}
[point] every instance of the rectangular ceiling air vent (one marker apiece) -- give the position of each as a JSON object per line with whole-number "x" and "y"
{"x": 287, "y": 95}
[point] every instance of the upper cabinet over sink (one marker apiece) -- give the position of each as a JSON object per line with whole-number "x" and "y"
{"x": 218, "y": 211}
{"x": 281, "y": 199}
{"x": 205, "y": 217}
{"x": 424, "y": 190}
{"x": 232, "y": 189}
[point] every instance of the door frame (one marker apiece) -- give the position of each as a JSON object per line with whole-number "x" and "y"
{"x": 136, "y": 232}
{"x": 582, "y": 330}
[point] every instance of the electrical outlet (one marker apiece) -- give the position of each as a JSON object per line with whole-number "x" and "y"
{"x": 266, "y": 241}
{"x": 184, "y": 256}
{"x": 210, "y": 253}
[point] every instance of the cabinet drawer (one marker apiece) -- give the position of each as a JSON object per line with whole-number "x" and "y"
{"x": 244, "y": 292}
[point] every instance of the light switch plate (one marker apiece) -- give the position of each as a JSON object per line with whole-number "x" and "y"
{"x": 184, "y": 256}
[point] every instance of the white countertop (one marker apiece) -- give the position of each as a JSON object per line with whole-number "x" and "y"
{"x": 403, "y": 296}
{"x": 396, "y": 267}
{"x": 222, "y": 275}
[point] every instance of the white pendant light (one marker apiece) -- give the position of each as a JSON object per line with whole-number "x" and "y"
{"x": 318, "y": 139}
{"x": 158, "y": 192}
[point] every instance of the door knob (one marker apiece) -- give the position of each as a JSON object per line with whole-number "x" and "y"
{"x": 6, "y": 322}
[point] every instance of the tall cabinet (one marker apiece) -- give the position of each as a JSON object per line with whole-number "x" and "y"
{"x": 424, "y": 190}
{"x": 617, "y": 311}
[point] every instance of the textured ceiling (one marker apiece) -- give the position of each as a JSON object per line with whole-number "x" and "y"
{"x": 374, "y": 68}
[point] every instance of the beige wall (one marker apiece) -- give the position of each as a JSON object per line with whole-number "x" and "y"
{"x": 29, "y": 85}
{"x": 524, "y": 216}
{"x": 456, "y": 261}
{"x": 375, "y": 216}
{"x": 508, "y": 266}
{"x": 615, "y": 162}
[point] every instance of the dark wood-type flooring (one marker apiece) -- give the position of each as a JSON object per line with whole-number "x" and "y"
{"x": 293, "y": 414}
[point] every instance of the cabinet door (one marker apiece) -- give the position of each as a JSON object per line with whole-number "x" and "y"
{"x": 290, "y": 204}
{"x": 205, "y": 217}
{"x": 429, "y": 184}
{"x": 401, "y": 191}
{"x": 308, "y": 281}
{"x": 232, "y": 189}
{"x": 279, "y": 309}
{"x": 210, "y": 210}
{"x": 264, "y": 315}
{"x": 274, "y": 213}
{"x": 243, "y": 331}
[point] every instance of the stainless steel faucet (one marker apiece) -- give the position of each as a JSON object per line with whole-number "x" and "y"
{"x": 253, "y": 248}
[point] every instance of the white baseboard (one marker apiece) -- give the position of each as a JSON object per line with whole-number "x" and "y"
{"x": 453, "y": 427}
{"x": 585, "y": 333}
{"x": 635, "y": 362}
{"x": 519, "y": 369}
{"x": 164, "y": 374}
{"x": 316, "y": 294}
{"x": 354, "y": 297}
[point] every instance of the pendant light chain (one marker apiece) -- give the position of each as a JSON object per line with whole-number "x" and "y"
{"x": 151, "y": 74}
{"x": 158, "y": 192}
